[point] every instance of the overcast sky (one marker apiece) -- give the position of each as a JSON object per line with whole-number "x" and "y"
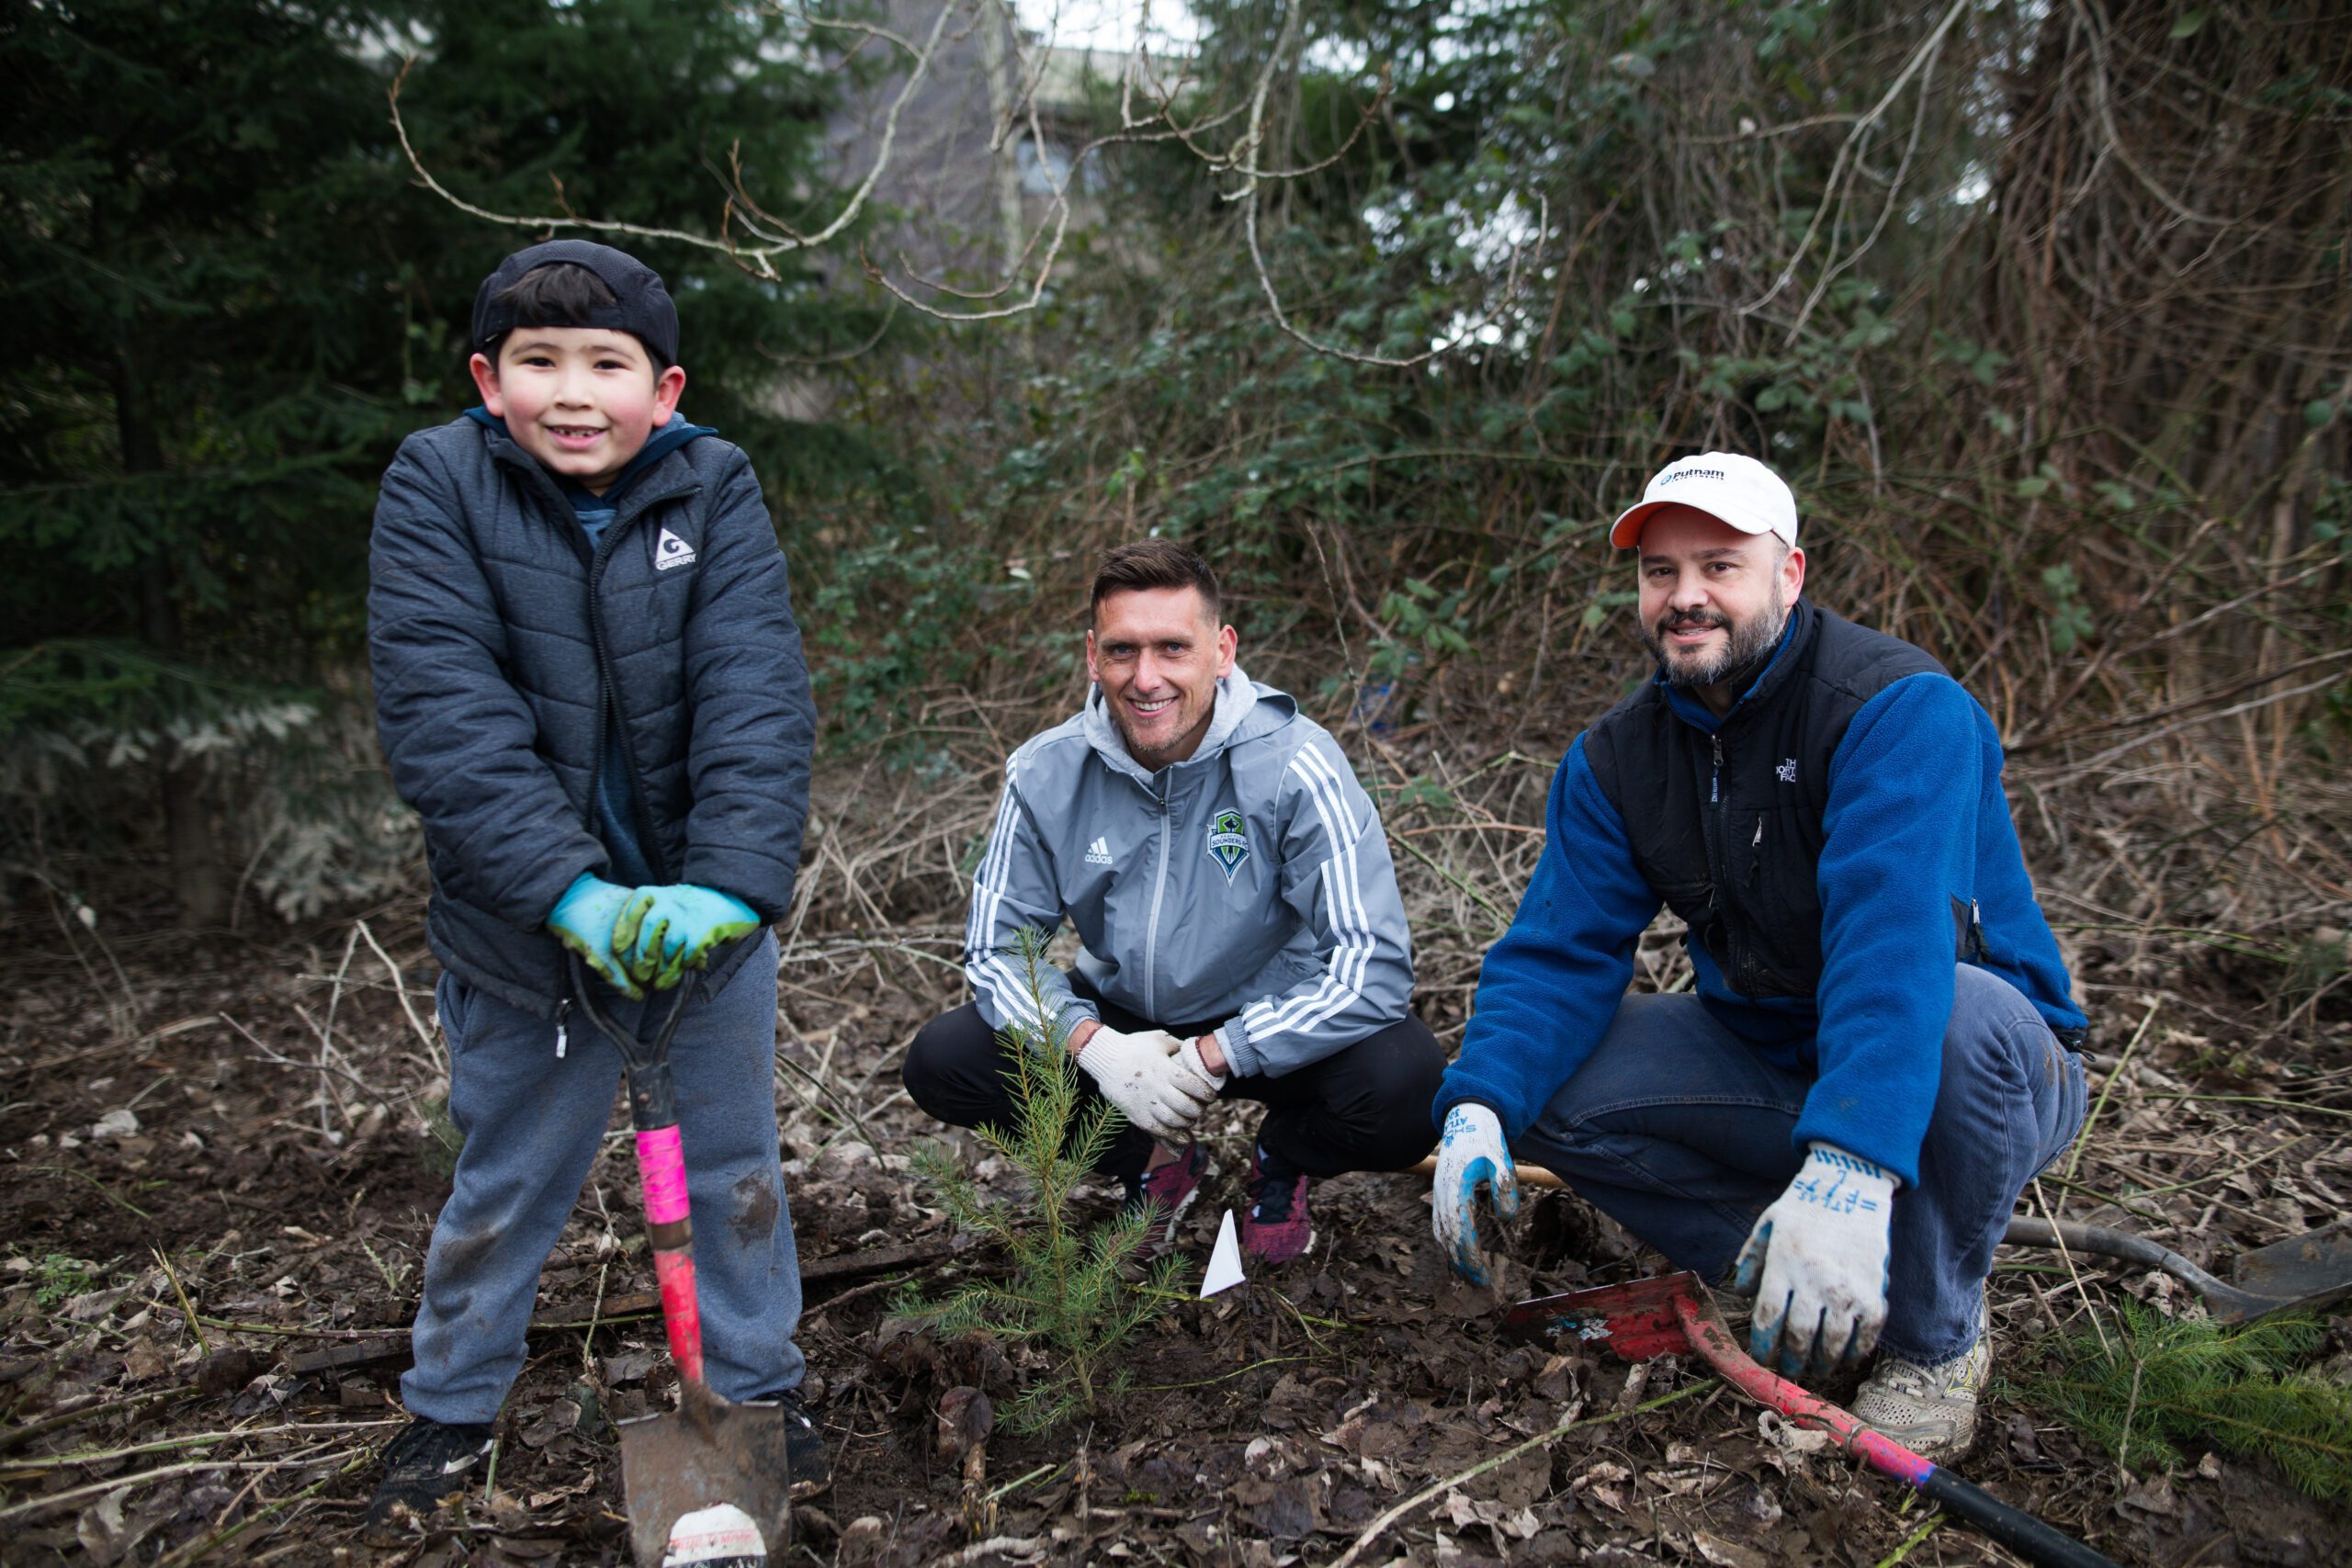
{"x": 1107, "y": 24}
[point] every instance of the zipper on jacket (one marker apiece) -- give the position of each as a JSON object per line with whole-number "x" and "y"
{"x": 1717, "y": 835}
{"x": 1152, "y": 927}
{"x": 647, "y": 840}
{"x": 562, "y": 1040}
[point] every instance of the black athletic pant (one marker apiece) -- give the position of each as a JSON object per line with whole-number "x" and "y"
{"x": 1365, "y": 1107}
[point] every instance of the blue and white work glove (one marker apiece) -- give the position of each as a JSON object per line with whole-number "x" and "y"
{"x": 582, "y": 920}
{"x": 1816, "y": 1261}
{"x": 1471, "y": 1153}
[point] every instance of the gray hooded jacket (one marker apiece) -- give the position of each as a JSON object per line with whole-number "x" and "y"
{"x": 1250, "y": 883}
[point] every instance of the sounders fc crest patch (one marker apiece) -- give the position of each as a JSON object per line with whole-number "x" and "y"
{"x": 1229, "y": 845}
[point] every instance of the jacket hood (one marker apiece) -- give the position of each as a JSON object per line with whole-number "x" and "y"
{"x": 1244, "y": 710}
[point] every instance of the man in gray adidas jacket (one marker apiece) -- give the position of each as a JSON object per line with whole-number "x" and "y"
{"x": 1231, "y": 888}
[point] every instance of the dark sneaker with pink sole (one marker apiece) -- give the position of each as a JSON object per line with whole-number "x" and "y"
{"x": 1170, "y": 1191}
{"x": 1277, "y": 1227}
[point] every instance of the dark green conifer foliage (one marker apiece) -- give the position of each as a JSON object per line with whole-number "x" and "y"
{"x": 2161, "y": 1385}
{"x": 227, "y": 300}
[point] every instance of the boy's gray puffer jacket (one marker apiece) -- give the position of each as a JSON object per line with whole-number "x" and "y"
{"x": 494, "y": 632}
{"x": 1250, "y": 883}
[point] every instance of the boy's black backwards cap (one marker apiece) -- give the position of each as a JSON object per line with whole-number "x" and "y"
{"x": 644, "y": 307}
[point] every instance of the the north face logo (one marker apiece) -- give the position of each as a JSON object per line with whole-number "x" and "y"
{"x": 671, "y": 550}
{"x": 1787, "y": 771}
{"x": 1229, "y": 845}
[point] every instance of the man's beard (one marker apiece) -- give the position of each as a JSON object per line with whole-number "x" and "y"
{"x": 1747, "y": 646}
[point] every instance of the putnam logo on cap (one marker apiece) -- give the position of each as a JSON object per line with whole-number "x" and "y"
{"x": 1734, "y": 489}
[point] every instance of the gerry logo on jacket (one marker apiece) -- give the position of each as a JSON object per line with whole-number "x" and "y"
{"x": 671, "y": 550}
{"x": 1229, "y": 846}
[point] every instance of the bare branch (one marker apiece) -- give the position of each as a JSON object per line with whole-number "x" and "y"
{"x": 1848, "y": 154}
{"x": 776, "y": 238}
{"x": 1251, "y": 140}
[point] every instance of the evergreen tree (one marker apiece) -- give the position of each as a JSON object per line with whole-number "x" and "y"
{"x": 230, "y": 298}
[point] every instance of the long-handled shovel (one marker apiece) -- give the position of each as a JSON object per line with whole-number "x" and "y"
{"x": 708, "y": 1483}
{"x": 2302, "y": 1273}
{"x": 1670, "y": 1313}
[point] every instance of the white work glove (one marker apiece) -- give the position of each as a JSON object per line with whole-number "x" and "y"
{"x": 1190, "y": 1059}
{"x": 1471, "y": 1152}
{"x": 1144, "y": 1075}
{"x": 1816, "y": 1261}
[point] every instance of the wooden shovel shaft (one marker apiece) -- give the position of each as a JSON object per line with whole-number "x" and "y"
{"x": 1528, "y": 1174}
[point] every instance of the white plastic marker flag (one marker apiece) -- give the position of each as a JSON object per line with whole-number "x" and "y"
{"x": 722, "y": 1536}
{"x": 1224, "y": 1263}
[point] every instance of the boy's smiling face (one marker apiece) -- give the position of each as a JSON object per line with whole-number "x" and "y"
{"x": 583, "y": 401}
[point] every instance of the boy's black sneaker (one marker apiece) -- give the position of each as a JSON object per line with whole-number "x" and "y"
{"x": 427, "y": 1462}
{"x": 804, "y": 1446}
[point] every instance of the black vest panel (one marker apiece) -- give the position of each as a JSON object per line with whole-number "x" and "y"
{"x": 1727, "y": 829}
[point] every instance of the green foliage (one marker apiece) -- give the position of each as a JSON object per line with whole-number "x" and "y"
{"x": 1426, "y": 622}
{"x": 2069, "y": 618}
{"x": 637, "y": 109}
{"x": 443, "y": 1142}
{"x": 228, "y": 300}
{"x": 1069, "y": 1291}
{"x": 2156, "y": 1385}
{"x": 58, "y": 1278}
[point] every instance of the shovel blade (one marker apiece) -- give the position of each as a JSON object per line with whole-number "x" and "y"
{"x": 690, "y": 1460}
{"x": 1635, "y": 1321}
{"x": 2310, "y": 1270}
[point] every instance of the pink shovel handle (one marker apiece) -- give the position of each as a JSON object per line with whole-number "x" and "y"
{"x": 1875, "y": 1449}
{"x": 662, "y": 1175}
{"x": 2013, "y": 1528}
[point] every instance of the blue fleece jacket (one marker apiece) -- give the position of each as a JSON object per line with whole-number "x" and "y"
{"x": 1915, "y": 809}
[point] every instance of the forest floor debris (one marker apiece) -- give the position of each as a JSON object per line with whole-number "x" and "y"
{"x": 216, "y": 1223}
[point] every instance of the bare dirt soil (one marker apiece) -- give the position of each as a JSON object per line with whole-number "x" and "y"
{"x": 219, "y": 1169}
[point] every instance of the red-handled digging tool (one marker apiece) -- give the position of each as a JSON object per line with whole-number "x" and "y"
{"x": 1672, "y": 1315}
{"x": 707, "y": 1484}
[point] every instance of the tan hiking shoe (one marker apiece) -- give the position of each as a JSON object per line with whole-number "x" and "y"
{"x": 1929, "y": 1410}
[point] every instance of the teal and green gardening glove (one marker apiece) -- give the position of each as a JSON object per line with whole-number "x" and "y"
{"x": 584, "y": 920}
{"x": 665, "y": 931}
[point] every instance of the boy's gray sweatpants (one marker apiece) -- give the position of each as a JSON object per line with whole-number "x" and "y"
{"x": 532, "y": 1125}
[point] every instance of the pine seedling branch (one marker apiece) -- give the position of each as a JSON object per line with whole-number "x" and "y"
{"x": 1072, "y": 1289}
{"x": 2161, "y": 1384}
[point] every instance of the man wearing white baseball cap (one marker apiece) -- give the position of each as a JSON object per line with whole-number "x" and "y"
{"x": 1879, "y": 1047}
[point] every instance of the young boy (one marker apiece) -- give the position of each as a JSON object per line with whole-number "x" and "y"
{"x": 589, "y": 685}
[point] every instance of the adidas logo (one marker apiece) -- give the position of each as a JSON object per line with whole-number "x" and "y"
{"x": 671, "y": 550}
{"x": 1099, "y": 853}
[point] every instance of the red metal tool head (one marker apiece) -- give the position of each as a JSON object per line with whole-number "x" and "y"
{"x": 1635, "y": 1321}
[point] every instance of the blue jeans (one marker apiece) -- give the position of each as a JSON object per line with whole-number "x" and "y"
{"x": 532, "y": 1125}
{"x": 1678, "y": 1131}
